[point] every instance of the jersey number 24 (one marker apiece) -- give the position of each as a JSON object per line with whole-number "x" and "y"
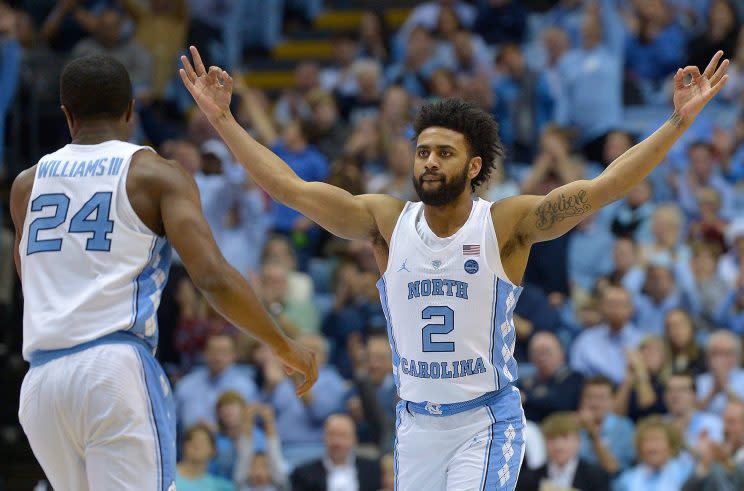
{"x": 100, "y": 225}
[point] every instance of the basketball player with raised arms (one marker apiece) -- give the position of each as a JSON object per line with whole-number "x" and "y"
{"x": 94, "y": 224}
{"x": 451, "y": 268}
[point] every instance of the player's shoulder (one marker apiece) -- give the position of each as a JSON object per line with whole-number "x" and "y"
{"x": 20, "y": 191}
{"x": 155, "y": 172}
{"x": 385, "y": 209}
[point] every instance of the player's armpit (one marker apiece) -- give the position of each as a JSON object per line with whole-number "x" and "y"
{"x": 343, "y": 214}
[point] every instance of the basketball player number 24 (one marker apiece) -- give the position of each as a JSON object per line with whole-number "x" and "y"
{"x": 100, "y": 226}
{"x": 445, "y": 327}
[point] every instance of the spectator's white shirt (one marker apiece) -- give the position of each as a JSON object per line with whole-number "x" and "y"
{"x": 341, "y": 477}
{"x": 563, "y": 476}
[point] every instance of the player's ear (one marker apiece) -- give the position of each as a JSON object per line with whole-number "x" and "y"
{"x": 130, "y": 111}
{"x": 71, "y": 123}
{"x": 476, "y": 164}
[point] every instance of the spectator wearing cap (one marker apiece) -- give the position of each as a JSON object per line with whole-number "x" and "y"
{"x": 564, "y": 469}
{"x": 724, "y": 380}
{"x": 660, "y": 295}
{"x": 600, "y": 350}
{"x": 659, "y": 467}
{"x": 554, "y": 386}
{"x": 729, "y": 265}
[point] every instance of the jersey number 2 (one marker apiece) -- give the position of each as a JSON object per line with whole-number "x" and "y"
{"x": 447, "y": 326}
{"x": 100, "y": 226}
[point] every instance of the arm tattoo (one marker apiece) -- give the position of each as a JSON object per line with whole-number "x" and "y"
{"x": 676, "y": 120}
{"x": 551, "y": 212}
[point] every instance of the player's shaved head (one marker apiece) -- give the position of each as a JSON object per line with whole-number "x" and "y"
{"x": 95, "y": 87}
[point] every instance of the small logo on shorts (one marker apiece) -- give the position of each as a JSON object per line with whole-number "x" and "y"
{"x": 433, "y": 408}
{"x": 471, "y": 266}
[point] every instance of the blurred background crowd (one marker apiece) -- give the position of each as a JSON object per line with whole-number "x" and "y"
{"x": 628, "y": 327}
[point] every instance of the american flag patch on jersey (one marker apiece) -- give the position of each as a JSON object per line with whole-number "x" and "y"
{"x": 471, "y": 249}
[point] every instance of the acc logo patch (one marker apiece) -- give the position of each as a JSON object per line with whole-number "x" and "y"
{"x": 471, "y": 266}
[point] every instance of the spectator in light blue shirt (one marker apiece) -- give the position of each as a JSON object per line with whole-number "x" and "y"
{"x": 197, "y": 392}
{"x": 587, "y": 254}
{"x": 597, "y": 63}
{"x": 660, "y": 295}
{"x": 601, "y": 350}
{"x": 10, "y": 64}
{"x": 702, "y": 171}
{"x": 660, "y": 466}
{"x": 679, "y": 397}
{"x": 724, "y": 379}
{"x": 299, "y": 420}
{"x": 657, "y": 49}
{"x": 191, "y": 472}
{"x": 605, "y": 433}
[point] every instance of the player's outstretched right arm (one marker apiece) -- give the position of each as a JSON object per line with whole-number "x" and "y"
{"x": 175, "y": 191}
{"x": 336, "y": 210}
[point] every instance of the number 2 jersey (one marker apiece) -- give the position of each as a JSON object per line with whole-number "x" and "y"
{"x": 90, "y": 267}
{"x": 448, "y": 305}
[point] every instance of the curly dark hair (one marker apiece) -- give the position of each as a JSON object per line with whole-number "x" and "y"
{"x": 480, "y": 129}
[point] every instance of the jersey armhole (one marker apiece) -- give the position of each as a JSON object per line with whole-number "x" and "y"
{"x": 393, "y": 237}
{"x": 490, "y": 233}
{"x": 126, "y": 206}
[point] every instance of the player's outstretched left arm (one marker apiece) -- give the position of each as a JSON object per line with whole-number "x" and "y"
{"x": 547, "y": 217}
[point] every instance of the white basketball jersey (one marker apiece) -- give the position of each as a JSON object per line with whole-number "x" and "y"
{"x": 449, "y": 310}
{"x": 89, "y": 266}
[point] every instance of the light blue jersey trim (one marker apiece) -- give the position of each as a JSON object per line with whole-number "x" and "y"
{"x": 162, "y": 417}
{"x": 149, "y": 286}
{"x": 487, "y": 456}
{"x": 41, "y": 357}
{"x": 433, "y": 409}
{"x": 382, "y": 287}
{"x": 494, "y": 330}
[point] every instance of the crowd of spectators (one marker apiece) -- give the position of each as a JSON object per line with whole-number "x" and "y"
{"x": 628, "y": 327}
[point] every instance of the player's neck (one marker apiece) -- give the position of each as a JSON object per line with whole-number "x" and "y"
{"x": 447, "y": 219}
{"x": 98, "y": 132}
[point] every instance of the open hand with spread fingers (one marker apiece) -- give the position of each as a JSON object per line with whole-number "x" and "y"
{"x": 690, "y": 97}
{"x": 212, "y": 90}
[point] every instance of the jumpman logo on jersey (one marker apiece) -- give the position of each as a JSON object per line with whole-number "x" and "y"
{"x": 403, "y": 266}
